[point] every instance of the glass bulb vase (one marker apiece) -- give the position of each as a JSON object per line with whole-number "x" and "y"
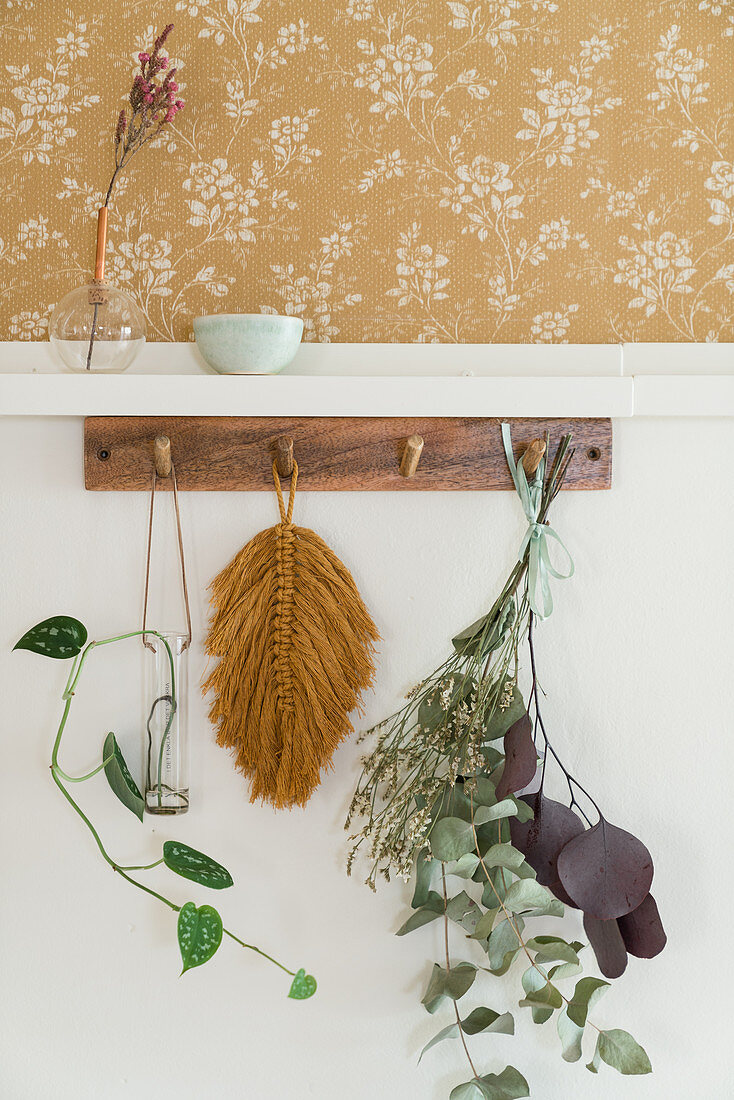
{"x": 97, "y": 328}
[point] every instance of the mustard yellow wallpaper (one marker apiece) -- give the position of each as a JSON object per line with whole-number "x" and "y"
{"x": 407, "y": 170}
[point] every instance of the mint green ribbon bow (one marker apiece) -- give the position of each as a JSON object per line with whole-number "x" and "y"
{"x": 535, "y": 541}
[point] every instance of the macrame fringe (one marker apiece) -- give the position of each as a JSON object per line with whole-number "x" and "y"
{"x": 295, "y": 647}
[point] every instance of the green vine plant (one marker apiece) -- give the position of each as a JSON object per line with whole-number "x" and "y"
{"x": 444, "y": 794}
{"x": 200, "y": 929}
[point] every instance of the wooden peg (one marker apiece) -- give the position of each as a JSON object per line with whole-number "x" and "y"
{"x": 532, "y": 456}
{"x": 411, "y": 455}
{"x": 162, "y": 456}
{"x": 284, "y": 455}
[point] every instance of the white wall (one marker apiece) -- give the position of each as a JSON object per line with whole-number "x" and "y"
{"x": 637, "y": 662}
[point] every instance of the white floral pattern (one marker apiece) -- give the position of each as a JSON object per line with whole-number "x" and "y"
{"x": 408, "y": 170}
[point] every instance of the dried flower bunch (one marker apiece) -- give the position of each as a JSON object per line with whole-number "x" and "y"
{"x": 455, "y": 785}
{"x": 153, "y": 103}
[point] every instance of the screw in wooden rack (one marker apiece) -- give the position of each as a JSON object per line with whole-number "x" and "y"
{"x": 411, "y": 455}
{"x": 593, "y": 454}
{"x": 162, "y": 456}
{"x": 283, "y": 448}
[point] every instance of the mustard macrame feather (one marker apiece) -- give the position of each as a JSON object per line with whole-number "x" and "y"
{"x": 294, "y": 644}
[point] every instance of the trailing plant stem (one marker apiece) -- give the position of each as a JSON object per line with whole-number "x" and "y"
{"x": 462, "y": 1036}
{"x": 57, "y": 774}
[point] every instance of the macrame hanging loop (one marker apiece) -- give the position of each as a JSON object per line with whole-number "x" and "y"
{"x": 286, "y": 517}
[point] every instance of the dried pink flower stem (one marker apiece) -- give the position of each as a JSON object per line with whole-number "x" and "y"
{"x": 152, "y": 104}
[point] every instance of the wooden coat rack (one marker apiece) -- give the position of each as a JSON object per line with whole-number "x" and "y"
{"x": 215, "y": 453}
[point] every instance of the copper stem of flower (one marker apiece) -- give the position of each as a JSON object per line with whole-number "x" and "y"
{"x": 101, "y": 243}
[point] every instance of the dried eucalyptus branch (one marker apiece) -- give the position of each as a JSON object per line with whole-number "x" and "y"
{"x": 443, "y": 729}
{"x": 445, "y": 788}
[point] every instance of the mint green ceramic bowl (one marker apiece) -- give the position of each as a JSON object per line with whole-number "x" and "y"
{"x": 248, "y": 343}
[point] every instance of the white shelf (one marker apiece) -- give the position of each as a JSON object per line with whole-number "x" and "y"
{"x": 388, "y": 380}
{"x": 684, "y": 395}
{"x": 294, "y": 395}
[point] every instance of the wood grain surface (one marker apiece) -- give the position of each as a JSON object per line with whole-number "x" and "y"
{"x": 333, "y": 453}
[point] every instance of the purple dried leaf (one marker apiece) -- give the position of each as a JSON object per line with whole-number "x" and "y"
{"x": 542, "y": 839}
{"x": 606, "y": 871}
{"x": 521, "y": 759}
{"x": 607, "y": 944}
{"x": 642, "y": 930}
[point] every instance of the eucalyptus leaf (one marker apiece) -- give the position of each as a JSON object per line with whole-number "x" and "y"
{"x": 449, "y": 1032}
{"x": 587, "y": 993}
{"x": 527, "y": 894}
{"x": 486, "y": 634}
{"x": 424, "y": 869}
{"x": 433, "y": 909}
{"x": 451, "y": 838}
{"x": 496, "y": 888}
{"x": 485, "y": 924}
{"x": 524, "y": 813}
{"x": 606, "y": 940}
{"x": 199, "y": 934}
{"x": 503, "y": 945}
{"x": 606, "y": 871}
{"x": 508, "y": 1085}
{"x": 303, "y": 986}
{"x": 482, "y": 790}
{"x": 521, "y": 757}
{"x": 542, "y": 997}
{"x": 642, "y": 930}
{"x": 452, "y": 802}
{"x": 483, "y": 785}
{"x": 564, "y": 970}
{"x": 119, "y": 778}
{"x": 451, "y": 984}
{"x": 499, "y": 720}
{"x": 506, "y": 808}
{"x": 478, "y": 1021}
{"x": 469, "y": 1091}
{"x": 620, "y": 1051}
{"x": 503, "y": 855}
{"x": 60, "y": 637}
{"x": 464, "y": 867}
{"x": 464, "y": 910}
{"x": 553, "y": 949}
{"x": 570, "y": 1035}
{"x": 196, "y": 866}
{"x": 542, "y": 834}
{"x": 485, "y": 1019}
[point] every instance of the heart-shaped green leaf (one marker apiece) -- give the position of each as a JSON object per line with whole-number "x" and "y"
{"x": 303, "y": 986}
{"x": 199, "y": 934}
{"x": 60, "y": 637}
{"x": 119, "y": 777}
{"x": 194, "y": 865}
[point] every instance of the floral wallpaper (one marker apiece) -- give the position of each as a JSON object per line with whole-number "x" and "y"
{"x": 402, "y": 170}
